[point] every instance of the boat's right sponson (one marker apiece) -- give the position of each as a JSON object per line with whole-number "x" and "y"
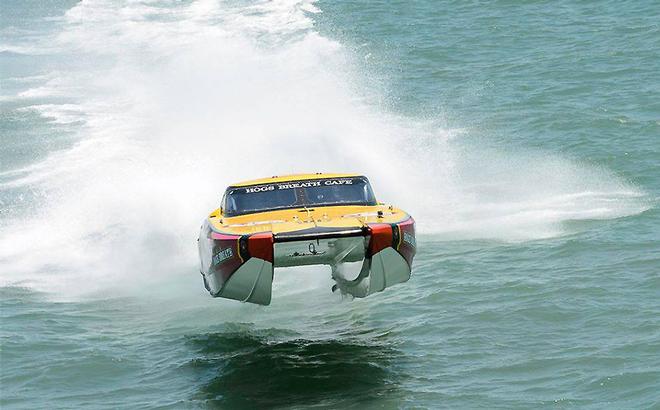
{"x": 364, "y": 260}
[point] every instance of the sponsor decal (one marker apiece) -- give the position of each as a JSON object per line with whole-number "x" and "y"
{"x": 222, "y": 256}
{"x": 299, "y": 184}
{"x": 264, "y": 188}
{"x": 338, "y": 182}
{"x": 409, "y": 239}
{"x": 291, "y": 185}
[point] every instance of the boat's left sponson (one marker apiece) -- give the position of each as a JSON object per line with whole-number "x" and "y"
{"x": 241, "y": 267}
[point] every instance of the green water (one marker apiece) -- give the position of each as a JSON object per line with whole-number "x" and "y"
{"x": 523, "y": 136}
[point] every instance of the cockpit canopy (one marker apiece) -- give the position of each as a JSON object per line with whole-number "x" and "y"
{"x": 241, "y": 200}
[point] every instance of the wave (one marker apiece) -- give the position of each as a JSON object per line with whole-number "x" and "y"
{"x": 174, "y": 102}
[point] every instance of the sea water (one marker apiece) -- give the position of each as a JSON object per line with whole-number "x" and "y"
{"x": 523, "y": 136}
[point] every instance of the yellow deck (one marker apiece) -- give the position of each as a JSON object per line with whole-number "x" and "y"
{"x": 288, "y": 220}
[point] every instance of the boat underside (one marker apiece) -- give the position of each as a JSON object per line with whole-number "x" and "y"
{"x": 364, "y": 260}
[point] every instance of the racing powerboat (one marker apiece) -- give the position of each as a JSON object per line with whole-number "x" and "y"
{"x": 305, "y": 219}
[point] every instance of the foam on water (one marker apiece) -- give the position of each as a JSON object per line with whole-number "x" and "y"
{"x": 174, "y": 103}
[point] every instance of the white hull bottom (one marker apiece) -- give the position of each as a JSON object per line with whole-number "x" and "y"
{"x": 354, "y": 273}
{"x": 252, "y": 282}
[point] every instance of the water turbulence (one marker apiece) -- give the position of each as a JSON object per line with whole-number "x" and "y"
{"x": 247, "y": 369}
{"x": 172, "y": 103}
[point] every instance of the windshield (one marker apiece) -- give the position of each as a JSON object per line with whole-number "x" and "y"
{"x": 298, "y": 194}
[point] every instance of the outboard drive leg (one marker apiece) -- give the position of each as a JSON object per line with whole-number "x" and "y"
{"x": 358, "y": 287}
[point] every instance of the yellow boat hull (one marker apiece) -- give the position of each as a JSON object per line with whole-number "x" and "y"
{"x": 369, "y": 248}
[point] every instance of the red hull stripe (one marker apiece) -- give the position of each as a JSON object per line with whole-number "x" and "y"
{"x": 381, "y": 237}
{"x": 224, "y": 237}
{"x": 260, "y": 246}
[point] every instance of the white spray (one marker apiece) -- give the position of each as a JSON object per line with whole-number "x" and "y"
{"x": 176, "y": 103}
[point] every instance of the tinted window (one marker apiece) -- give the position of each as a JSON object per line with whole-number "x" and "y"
{"x": 298, "y": 194}
{"x": 241, "y": 202}
{"x": 356, "y": 192}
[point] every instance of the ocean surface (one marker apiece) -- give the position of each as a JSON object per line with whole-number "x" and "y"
{"x": 524, "y": 136}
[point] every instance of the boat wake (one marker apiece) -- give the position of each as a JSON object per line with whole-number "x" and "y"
{"x": 171, "y": 104}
